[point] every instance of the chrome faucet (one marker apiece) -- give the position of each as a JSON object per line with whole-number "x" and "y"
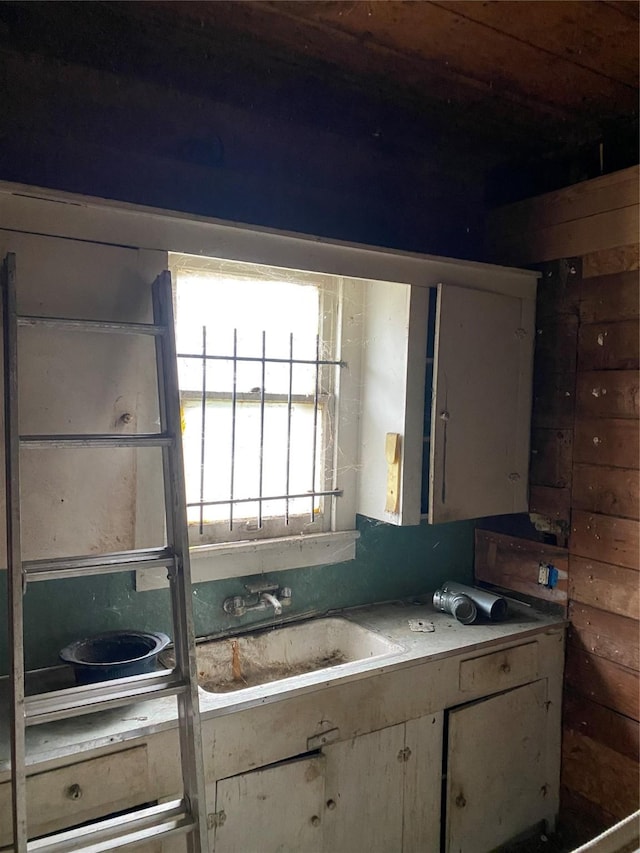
{"x": 261, "y": 597}
{"x": 269, "y": 598}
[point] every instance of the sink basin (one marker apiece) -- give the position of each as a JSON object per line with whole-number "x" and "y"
{"x": 273, "y": 654}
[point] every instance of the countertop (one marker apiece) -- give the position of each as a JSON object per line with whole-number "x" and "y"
{"x": 50, "y": 741}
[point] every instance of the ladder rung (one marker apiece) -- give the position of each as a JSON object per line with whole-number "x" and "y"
{"x": 86, "y": 699}
{"x": 92, "y": 325}
{"x": 110, "y": 834}
{"x": 44, "y": 442}
{"x": 118, "y": 561}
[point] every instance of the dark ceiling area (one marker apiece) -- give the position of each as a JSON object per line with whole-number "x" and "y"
{"x": 308, "y": 115}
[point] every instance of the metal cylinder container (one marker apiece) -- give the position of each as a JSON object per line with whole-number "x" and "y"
{"x": 457, "y": 604}
{"x": 493, "y": 606}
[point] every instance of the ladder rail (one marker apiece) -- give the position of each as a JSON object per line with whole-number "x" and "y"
{"x": 14, "y": 555}
{"x": 181, "y": 589}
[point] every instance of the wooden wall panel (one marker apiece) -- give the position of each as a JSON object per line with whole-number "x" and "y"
{"x": 585, "y": 469}
{"x": 576, "y": 237}
{"x": 605, "y": 490}
{"x": 603, "y": 681}
{"x": 602, "y": 724}
{"x": 556, "y": 345}
{"x": 608, "y": 394}
{"x": 609, "y": 298}
{"x": 614, "y": 260}
{"x": 554, "y": 29}
{"x": 554, "y": 401}
{"x": 559, "y": 288}
{"x": 513, "y": 563}
{"x": 605, "y": 538}
{"x": 609, "y": 346}
{"x": 582, "y": 820}
{"x": 615, "y": 785}
{"x": 607, "y": 635}
{"x": 555, "y": 504}
{"x": 606, "y": 441}
{"x": 551, "y": 454}
{"x": 616, "y": 190}
{"x": 613, "y": 588}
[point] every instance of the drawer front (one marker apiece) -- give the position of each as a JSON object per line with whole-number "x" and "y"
{"x": 72, "y": 794}
{"x": 499, "y": 670}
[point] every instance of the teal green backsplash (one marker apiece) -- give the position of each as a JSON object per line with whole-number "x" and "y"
{"x": 391, "y": 562}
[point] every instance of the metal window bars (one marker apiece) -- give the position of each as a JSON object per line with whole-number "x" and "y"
{"x": 188, "y": 814}
{"x": 264, "y": 400}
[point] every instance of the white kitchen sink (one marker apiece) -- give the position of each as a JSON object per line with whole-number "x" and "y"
{"x": 273, "y": 654}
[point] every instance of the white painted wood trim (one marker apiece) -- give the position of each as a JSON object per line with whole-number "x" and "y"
{"x": 34, "y": 209}
{"x": 238, "y": 559}
{"x": 414, "y": 445}
{"x": 393, "y": 372}
{"x": 348, "y": 390}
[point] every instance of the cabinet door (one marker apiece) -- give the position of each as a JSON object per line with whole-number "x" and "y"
{"x": 481, "y": 404}
{"x": 364, "y": 793}
{"x": 277, "y": 809}
{"x": 65, "y": 387}
{"x": 496, "y": 769}
{"x": 383, "y": 790}
{"x": 422, "y": 784}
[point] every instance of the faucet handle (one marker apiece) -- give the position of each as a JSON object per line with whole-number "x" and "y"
{"x": 234, "y": 606}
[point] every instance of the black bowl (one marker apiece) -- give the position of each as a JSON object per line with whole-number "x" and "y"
{"x": 114, "y": 654}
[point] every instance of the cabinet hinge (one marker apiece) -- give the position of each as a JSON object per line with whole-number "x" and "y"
{"x": 404, "y": 754}
{"x": 215, "y": 819}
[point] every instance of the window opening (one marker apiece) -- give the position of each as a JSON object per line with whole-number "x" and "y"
{"x": 258, "y": 398}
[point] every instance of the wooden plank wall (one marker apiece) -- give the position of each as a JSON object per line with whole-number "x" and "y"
{"x": 584, "y": 469}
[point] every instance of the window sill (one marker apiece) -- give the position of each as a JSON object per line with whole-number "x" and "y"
{"x": 238, "y": 559}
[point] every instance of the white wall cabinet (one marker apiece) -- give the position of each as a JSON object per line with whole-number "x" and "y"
{"x": 72, "y": 261}
{"x": 64, "y": 388}
{"x": 477, "y": 447}
{"x": 481, "y": 404}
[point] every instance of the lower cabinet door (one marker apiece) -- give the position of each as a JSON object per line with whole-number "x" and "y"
{"x": 377, "y": 793}
{"x": 423, "y": 784}
{"x": 277, "y": 809}
{"x": 383, "y": 790}
{"x": 364, "y": 793}
{"x": 496, "y": 755}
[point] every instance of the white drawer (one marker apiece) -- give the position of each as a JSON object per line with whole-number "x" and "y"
{"x": 499, "y": 670}
{"x": 70, "y": 795}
